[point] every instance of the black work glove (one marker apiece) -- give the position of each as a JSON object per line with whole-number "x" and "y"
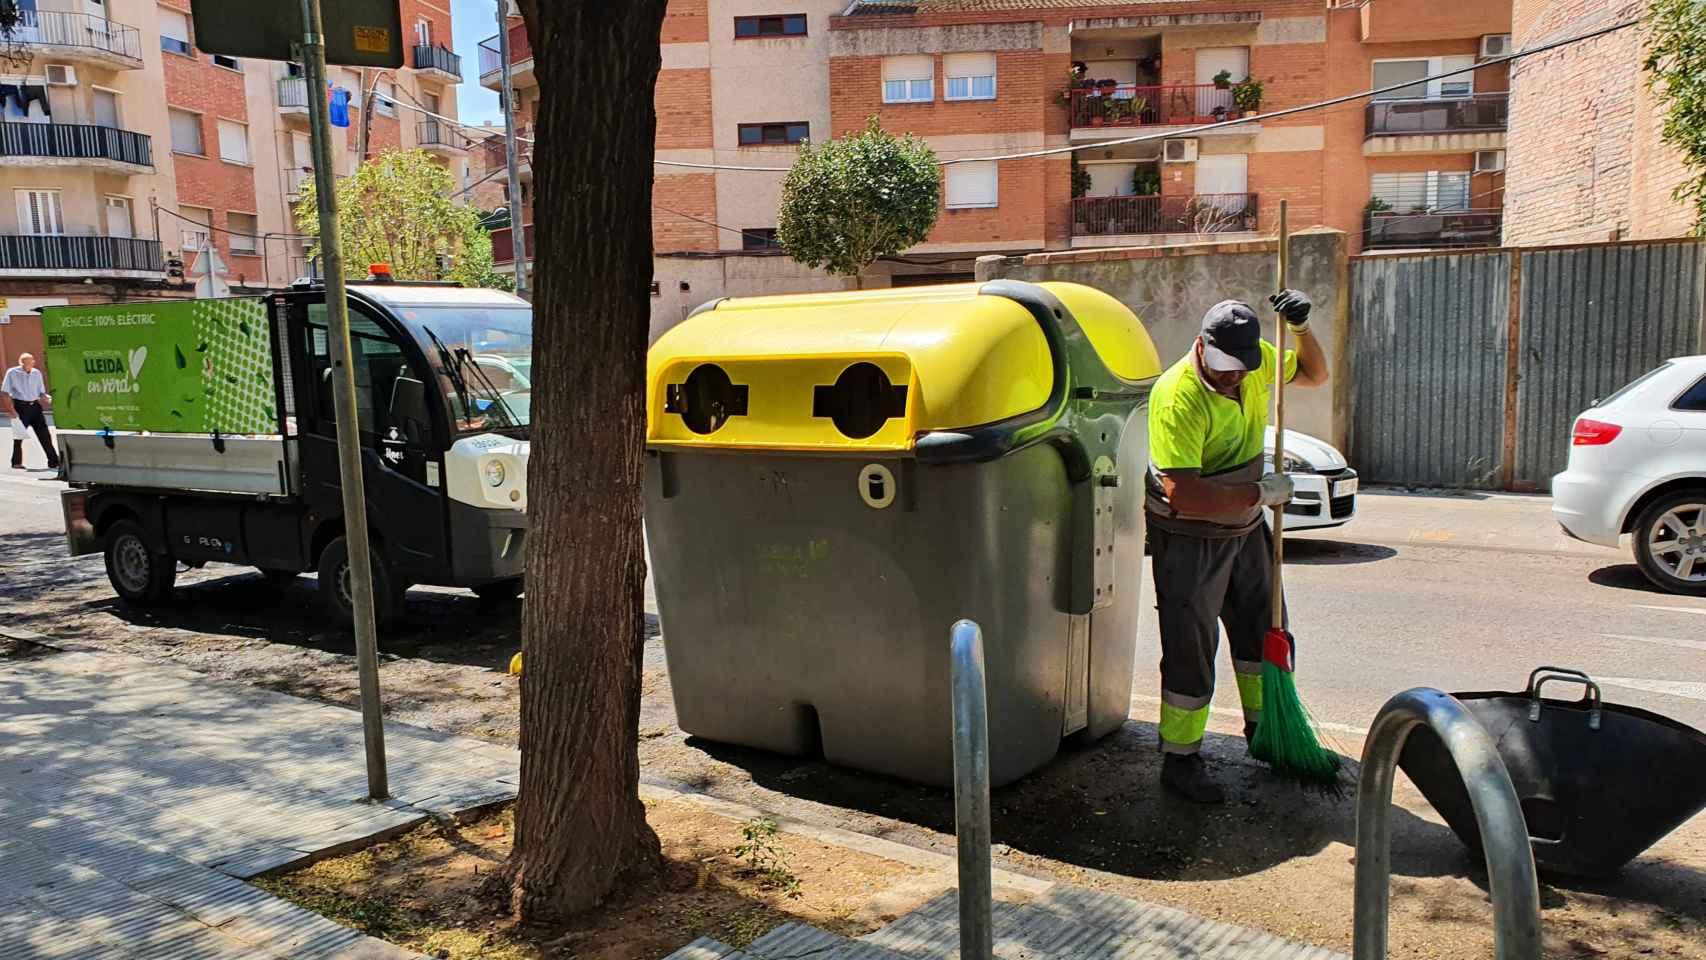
{"x": 1294, "y": 307}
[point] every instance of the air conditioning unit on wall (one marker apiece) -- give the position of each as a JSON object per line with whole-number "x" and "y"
{"x": 1495, "y": 45}
{"x": 60, "y": 75}
{"x": 1489, "y": 161}
{"x": 1178, "y": 151}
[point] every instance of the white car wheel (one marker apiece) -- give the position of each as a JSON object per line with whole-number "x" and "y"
{"x": 1670, "y": 542}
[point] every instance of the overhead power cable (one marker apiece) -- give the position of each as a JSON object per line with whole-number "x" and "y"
{"x": 1173, "y": 133}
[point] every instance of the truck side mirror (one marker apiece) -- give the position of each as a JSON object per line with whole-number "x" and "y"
{"x": 409, "y": 407}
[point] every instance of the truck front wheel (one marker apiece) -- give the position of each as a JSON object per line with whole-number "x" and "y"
{"x": 338, "y": 593}
{"x": 139, "y": 573}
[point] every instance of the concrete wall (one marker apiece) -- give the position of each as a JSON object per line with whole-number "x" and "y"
{"x": 1170, "y": 288}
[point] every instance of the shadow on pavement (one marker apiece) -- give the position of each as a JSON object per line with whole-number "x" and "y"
{"x": 1102, "y": 807}
{"x": 1626, "y": 576}
{"x": 1308, "y": 550}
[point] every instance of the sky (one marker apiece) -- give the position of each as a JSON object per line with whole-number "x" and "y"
{"x": 472, "y": 21}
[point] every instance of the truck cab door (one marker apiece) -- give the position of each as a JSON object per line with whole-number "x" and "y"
{"x": 401, "y": 448}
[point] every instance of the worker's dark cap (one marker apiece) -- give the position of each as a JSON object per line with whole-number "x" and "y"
{"x": 1231, "y": 337}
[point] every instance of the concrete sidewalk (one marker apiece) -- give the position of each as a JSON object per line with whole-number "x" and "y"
{"x": 135, "y": 797}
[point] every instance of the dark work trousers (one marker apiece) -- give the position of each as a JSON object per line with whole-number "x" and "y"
{"x": 1199, "y": 581}
{"x": 30, "y": 415}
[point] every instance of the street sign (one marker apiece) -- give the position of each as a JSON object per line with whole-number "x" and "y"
{"x": 359, "y": 33}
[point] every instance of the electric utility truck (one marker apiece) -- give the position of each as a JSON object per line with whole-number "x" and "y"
{"x": 201, "y": 431}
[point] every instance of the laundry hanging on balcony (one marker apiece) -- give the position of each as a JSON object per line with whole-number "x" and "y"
{"x": 24, "y": 99}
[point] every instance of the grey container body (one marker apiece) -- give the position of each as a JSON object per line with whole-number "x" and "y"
{"x": 796, "y": 618}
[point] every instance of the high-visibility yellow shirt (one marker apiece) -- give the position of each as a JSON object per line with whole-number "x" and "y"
{"x": 1193, "y": 427}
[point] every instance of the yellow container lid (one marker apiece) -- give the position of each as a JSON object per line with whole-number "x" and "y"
{"x": 871, "y": 370}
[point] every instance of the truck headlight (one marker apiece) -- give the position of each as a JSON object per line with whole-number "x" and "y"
{"x": 495, "y": 472}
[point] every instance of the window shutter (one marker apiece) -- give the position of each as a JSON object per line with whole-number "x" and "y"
{"x": 973, "y": 184}
{"x": 233, "y": 141}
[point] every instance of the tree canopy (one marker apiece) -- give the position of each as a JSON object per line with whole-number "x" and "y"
{"x": 857, "y": 198}
{"x": 1676, "y": 72}
{"x": 397, "y": 209}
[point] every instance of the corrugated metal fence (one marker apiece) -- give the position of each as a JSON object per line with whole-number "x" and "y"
{"x": 1469, "y": 367}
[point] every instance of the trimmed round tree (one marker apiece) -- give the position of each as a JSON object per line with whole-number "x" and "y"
{"x": 857, "y": 198}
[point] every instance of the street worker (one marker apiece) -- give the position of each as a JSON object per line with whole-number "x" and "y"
{"x": 1212, "y": 553}
{"x": 26, "y": 391}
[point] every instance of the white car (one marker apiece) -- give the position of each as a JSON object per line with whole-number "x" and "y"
{"x": 1325, "y": 485}
{"x": 1638, "y": 466}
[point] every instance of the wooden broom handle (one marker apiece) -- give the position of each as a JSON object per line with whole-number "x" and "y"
{"x": 1279, "y": 429}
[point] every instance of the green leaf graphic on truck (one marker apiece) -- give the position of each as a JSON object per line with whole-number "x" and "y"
{"x": 129, "y": 366}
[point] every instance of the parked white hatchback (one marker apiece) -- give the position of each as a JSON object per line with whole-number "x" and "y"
{"x": 1638, "y": 466}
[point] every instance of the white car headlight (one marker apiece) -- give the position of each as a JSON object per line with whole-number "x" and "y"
{"x": 1295, "y": 465}
{"x": 495, "y": 472}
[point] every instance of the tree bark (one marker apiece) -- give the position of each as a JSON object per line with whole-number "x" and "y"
{"x": 580, "y": 827}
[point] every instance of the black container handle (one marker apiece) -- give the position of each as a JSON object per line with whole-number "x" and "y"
{"x": 1543, "y": 674}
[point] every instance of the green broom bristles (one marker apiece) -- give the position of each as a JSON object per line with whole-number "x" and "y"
{"x": 1285, "y": 738}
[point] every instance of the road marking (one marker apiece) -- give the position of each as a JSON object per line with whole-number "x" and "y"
{"x": 1667, "y": 641}
{"x": 1672, "y": 688}
{"x": 1697, "y": 611}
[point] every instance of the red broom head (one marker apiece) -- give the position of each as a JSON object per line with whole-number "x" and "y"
{"x": 1277, "y": 650}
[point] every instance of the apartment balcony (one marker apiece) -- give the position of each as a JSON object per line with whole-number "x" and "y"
{"x": 1099, "y": 221}
{"x": 437, "y": 63}
{"x": 1436, "y": 125}
{"x": 293, "y": 99}
{"x": 80, "y": 257}
{"x": 1111, "y": 111}
{"x": 442, "y": 139}
{"x": 503, "y": 245}
{"x": 75, "y": 145}
{"x": 80, "y": 38}
{"x": 1435, "y": 230}
{"x": 520, "y": 59}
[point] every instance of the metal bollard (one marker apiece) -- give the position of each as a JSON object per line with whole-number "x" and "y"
{"x": 1498, "y": 813}
{"x": 971, "y": 790}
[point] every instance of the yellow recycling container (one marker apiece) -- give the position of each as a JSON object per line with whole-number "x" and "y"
{"x": 833, "y": 479}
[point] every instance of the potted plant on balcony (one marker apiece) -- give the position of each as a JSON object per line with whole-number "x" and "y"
{"x": 1146, "y": 182}
{"x": 1222, "y": 80}
{"x": 1247, "y": 96}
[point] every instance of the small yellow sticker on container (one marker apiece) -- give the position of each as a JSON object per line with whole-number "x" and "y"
{"x": 372, "y": 39}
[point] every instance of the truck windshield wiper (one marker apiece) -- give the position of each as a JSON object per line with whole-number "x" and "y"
{"x": 462, "y": 356}
{"x": 452, "y": 368}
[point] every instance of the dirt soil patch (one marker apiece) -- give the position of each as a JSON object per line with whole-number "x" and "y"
{"x": 438, "y": 890}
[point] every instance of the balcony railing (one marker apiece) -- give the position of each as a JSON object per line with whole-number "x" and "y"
{"x": 437, "y": 58}
{"x": 80, "y": 253}
{"x": 1442, "y": 228}
{"x": 503, "y": 245}
{"x": 1202, "y": 213}
{"x": 437, "y": 133}
{"x": 70, "y": 141}
{"x": 1483, "y": 112}
{"x": 519, "y": 50}
{"x": 293, "y": 92}
{"x": 79, "y": 30}
{"x": 1136, "y": 106}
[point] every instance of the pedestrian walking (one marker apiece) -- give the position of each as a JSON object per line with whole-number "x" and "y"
{"x": 26, "y": 390}
{"x": 1212, "y": 554}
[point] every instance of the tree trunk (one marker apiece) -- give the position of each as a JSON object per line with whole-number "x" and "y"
{"x": 580, "y": 827}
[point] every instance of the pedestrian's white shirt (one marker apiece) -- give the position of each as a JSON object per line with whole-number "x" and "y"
{"x": 25, "y": 385}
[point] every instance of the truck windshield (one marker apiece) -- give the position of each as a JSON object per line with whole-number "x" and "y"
{"x": 486, "y": 362}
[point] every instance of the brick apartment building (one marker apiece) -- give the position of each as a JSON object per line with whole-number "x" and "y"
{"x": 1589, "y": 166}
{"x": 744, "y": 81}
{"x": 124, "y": 148}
